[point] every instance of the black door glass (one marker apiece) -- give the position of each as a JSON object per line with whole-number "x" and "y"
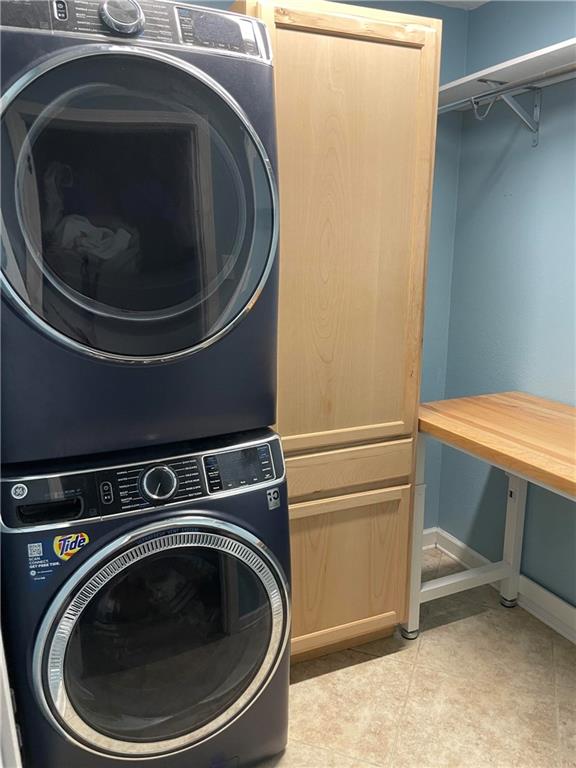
{"x": 168, "y": 645}
{"x": 138, "y": 207}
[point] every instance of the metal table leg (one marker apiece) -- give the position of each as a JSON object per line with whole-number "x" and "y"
{"x": 514, "y": 533}
{"x": 411, "y": 629}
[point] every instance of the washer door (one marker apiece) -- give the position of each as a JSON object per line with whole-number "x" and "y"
{"x": 138, "y": 203}
{"x": 163, "y": 639}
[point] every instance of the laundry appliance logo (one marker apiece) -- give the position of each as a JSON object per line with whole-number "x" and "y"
{"x": 67, "y": 546}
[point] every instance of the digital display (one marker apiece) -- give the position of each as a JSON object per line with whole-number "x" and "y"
{"x": 235, "y": 469}
{"x": 210, "y": 30}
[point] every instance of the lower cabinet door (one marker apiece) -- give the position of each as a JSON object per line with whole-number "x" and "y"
{"x": 349, "y": 566}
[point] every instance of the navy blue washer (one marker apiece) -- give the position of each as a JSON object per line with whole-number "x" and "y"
{"x": 169, "y": 608}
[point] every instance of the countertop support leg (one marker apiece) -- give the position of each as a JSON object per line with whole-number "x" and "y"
{"x": 513, "y": 536}
{"x": 411, "y": 629}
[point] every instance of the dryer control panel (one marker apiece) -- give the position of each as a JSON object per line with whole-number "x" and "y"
{"x": 32, "y": 500}
{"x": 148, "y": 21}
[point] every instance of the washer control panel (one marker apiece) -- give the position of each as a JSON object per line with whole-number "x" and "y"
{"x": 136, "y": 487}
{"x": 140, "y": 486}
{"x": 150, "y": 21}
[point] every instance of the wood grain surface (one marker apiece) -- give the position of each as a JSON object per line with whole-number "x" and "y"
{"x": 349, "y": 563}
{"x": 355, "y": 101}
{"x": 362, "y": 467}
{"x": 350, "y": 25}
{"x": 521, "y": 433}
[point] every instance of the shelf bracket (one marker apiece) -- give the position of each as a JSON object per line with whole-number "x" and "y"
{"x": 532, "y": 122}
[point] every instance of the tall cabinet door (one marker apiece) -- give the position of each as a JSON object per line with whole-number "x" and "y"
{"x": 356, "y": 95}
{"x": 355, "y": 91}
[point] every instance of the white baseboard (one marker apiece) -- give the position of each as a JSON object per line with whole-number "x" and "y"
{"x": 430, "y": 538}
{"x": 540, "y": 602}
{"x": 459, "y": 551}
{"x": 548, "y": 607}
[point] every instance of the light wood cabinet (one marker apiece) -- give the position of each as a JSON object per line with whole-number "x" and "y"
{"x": 349, "y": 560}
{"x": 356, "y": 95}
{"x": 361, "y": 467}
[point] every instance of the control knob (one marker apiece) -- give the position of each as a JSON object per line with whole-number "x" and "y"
{"x": 123, "y": 16}
{"x": 159, "y": 483}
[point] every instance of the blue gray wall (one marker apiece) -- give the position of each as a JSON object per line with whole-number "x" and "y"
{"x": 502, "y": 30}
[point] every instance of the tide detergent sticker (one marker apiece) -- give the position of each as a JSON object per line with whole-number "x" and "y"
{"x": 67, "y": 546}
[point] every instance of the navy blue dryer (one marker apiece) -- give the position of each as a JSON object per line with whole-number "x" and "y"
{"x": 139, "y": 226}
{"x": 147, "y": 608}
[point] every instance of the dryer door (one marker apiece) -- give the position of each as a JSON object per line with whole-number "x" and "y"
{"x": 138, "y": 203}
{"x": 163, "y": 639}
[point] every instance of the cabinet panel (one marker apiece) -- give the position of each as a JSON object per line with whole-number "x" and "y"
{"x": 358, "y": 468}
{"x": 353, "y": 169}
{"x": 356, "y": 98}
{"x": 349, "y": 566}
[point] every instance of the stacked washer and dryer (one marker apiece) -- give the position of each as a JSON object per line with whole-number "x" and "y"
{"x": 145, "y": 550}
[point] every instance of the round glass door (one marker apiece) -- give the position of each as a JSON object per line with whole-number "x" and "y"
{"x": 165, "y": 644}
{"x": 138, "y": 204}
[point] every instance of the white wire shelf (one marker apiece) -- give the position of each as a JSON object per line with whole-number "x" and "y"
{"x": 533, "y": 69}
{"x": 504, "y": 81}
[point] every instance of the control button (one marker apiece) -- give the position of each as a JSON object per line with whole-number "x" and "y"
{"x": 61, "y": 10}
{"x": 266, "y": 462}
{"x": 213, "y": 474}
{"x": 106, "y": 492}
{"x": 159, "y": 483}
{"x": 123, "y": 16}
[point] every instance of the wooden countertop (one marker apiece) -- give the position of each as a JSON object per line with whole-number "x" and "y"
{"x": 529, "y": 436}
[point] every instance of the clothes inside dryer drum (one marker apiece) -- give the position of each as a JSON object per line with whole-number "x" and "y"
{"x": 139, "y": 205}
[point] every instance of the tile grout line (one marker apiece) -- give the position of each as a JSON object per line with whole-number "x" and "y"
{"x": 334, "y": 752}
{"x": 437, "y": 570}
{"x": 557, "y": 706}
{"x": 392, "y": 751}
{"x": 350, "y": 757}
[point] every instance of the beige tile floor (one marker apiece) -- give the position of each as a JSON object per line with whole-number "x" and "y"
{"x": 482, "y": 686}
